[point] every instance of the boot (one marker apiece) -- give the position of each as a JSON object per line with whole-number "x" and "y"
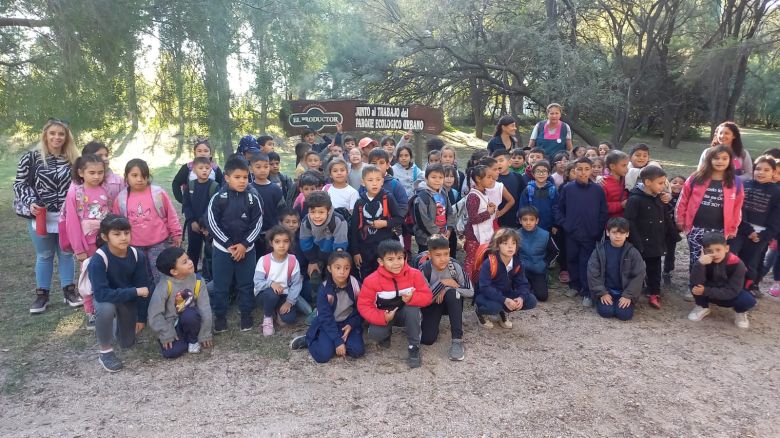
{"x": 71, "y": 297}
{"x": 41, "y": 301}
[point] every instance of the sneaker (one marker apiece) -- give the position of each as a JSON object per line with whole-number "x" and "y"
{"x": 193, "y": 348}
{"x": 503, "y": 320}
{"x": 655, "y": 301}
{"x": 698, "y": 313}
{"x": 563, "y": 276}
{"x": 298, "y": 343}
{"x": 571, "y": 293}
{"x": 311, "y": 316}
{"x": 415, "y": 356}
{"x": 456, "y": 350}
{"x": 71, "y": 297}
{"x": 484, "y": 322}
{"x": 41, "y": 301}
{"x": 91, "y": 321}
{"x": 687, "y": 296}
{"x": 774, "y": 290}
{"x": 741, "y": 320}
{"x": 667, "y": 276}
{"x": 110, "y": 362}
{"x": 385, "y": 343}
{"x": 220, "y": 325}
{"x": 587, "y": 302}
{"x": 246, "y": 322}
{"x": 268, "y": 326}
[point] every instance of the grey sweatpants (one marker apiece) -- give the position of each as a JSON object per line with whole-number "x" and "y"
{"x": 408, "y": 316}
{"x": 126, "y": 317}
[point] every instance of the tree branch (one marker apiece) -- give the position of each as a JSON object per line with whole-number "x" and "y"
{"x": 22, "y": 22}
{"x": 18, "y": 63}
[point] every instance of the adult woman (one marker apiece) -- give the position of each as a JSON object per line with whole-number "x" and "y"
{"x": 42, "y": 180}
{"x": 504, "y": 137}
{"x": 727, "y": 133}
{"x": 552, "y": 135}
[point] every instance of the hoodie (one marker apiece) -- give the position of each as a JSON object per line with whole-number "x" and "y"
{"x": 318, "y": 241}
{"x": 721, "y": 281}
{"x": 383, "y": 284}
{"x": 162, "y": 308}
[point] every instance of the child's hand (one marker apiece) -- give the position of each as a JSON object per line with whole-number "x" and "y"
{"x": 81, "y": 256}
{"x": 408, "y": 135}
{"x": 206, "y": 344}
{"x": 139, "y": 326}
{"x": 450, "y": 283}
{"x": 519, "y": 302}
{"x": 379, "y": 224}
{"x": 623, "y": 302}
{"x": 553, "y": 231}
{"x": 346, "y": 329}
{"x": 339, "y": 129}
{"x": 285, "y": 308}
{"x": 169, "y": 345}
{"x": 277, "y": 287}
{"x": 195, "y": 227}
{"x": 341, "y": 350}
{"x": 313, "y": 267}
{"x": 606, "y": 299}
{"x": 142, "y": 291}
{"x": 205, "y": 232}
{"x": 176, "y": 241}
{"x": 665, "y": 197}
{"x": 623, "y": 204}
{"x": 754, "y": 237}
{"x": 408, "y": 297}
{"x": 330, "y": 299}
{"x": 510, "y": 304}
{"x": 491, "y": 208}
{"x": 698, "y": 289}
{"x": 239, "y": 251}
{"x": 358, "y": 259}
{"x": 390, "y": 314}
{"x": 705, "y": 259}
{"x": 600, "y": 181}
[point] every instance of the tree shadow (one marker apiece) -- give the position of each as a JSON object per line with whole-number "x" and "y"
{"x": 125, "y": 141}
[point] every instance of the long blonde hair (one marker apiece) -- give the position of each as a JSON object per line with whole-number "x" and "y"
{"x": 68, "y": 149}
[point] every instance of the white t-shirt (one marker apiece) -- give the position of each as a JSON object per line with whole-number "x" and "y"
{"x": 278, "y": 271}
{"x": 496, "y": 193}
{"x": 346, "y": 197}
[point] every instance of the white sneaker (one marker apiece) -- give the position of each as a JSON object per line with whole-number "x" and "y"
{"x": 741, "y": 320}
{"x": 194, "y": 348}
{"x": 698, "y": 313}
{"x": 503, "y": 320}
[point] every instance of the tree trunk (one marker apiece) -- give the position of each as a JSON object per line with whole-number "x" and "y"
{"x": 477, "y": 101}
{"x": 216, "y": 47}
{"x": 132, "y": 92}
{"x": 589, "y": 137}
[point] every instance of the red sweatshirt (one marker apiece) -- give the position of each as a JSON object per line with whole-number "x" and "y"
{"x": 615, "y": 192}
{"x": 381, "y": 281}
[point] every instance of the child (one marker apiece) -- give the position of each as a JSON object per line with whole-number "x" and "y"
{"x": 394, "y": 291}
{"x": 86, "y": 204}
{"x": 120, "y": 286}
{"x": 449, "y": 158}
{"x": 322, "y": 231}
{"x": 179, "y": 309}
{"x": 186, "y": 171}
{"x": 405, "y": 170}
{"x": 301, "y": 149}
{"x": 376, "y": 215}
{"x": 718, "y": 277}
{"x": 597, "y": 171}
{"x": 334, "y": 151}
{"x": 388, "y": 144}
{"x": 313, "y": 161}
{"x": 534, "y": 156}
{"x": 112, "y": 182}
{"x": 639, "y": 158}
{"x": 366, "y": 145}
{"x": 502, "y": 285}
{"x": 711, "y": 201}
{"x": 342, "y": 195}
{"x": 278, "y": 280}
{"x": 356, "y": 165}
{"x": 310, "y": 181}
{"x": 270, "y": 196}
{"x": 338, "y": 328}
{"x": 155, "y": 224}
{"x": 676, "y": 185}
{"x": 517, "y": 162}
{"x": 450, "y": 175}
{"x": 498, "y": 194}
{"x": 434, "y": 157}
{"x": 235, "y": 218}
{"x": 292, "y": 221}
{"x": 614, "y": 184}
{"x": 309, "y": 137}
{"x": 647, "y": 217}
{"x": 592, "y": 153}
{"x": 616, "y": 272}
{"x": 604, "y": 148}
{"x": 380, "y": 159}
{"x": 760, "y": 219}
{"x": 449, "y": 285}
{"x": 559, "y": 162}
{"x": 266, "y": 144}
{"x": 283, "y": 181}
{"x": 195, "y": 203}
{"x": 481, "y": 213}
{"x": 536, "y": 252}
{"x": 349, "y": 143}
{"x": 577, "y": 152}
{"x": 432, "y": 208}
{"x": 513, "y": 183}
{"x": 583, "y": 214}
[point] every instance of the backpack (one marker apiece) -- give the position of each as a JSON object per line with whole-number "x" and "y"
{"x": 385, "y": 211}
{"x": 213, "y": 187}
{"x": 461, "y": 215}
{"x": 63, "y": 238}
{"x": 84, "y": 285}
{"x": 482, "y": 252}
{"x": 291, "y": 262}
{"x": 196, "y": 292}
{"x": 157, "y": 199}
{"x": 342, "y": 211}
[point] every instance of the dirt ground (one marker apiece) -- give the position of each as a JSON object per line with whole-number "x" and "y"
{"x": 561, "y": 371}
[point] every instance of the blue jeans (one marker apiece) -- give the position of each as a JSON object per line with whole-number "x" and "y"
{"x": 187, "y": 331}
{"x": 322, "y": 348}
{"x": 271, "y": 304}
{"x": 577, "y": 254}
{"x": 614, "y": 311}
{"x": 741, "y": 303}
{"x": 45, "y": 248}
{"x": 487, "y": 306}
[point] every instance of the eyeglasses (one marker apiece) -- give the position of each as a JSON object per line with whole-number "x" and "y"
{"x": 62, "y": 122}
{"x": 541, "y": 172}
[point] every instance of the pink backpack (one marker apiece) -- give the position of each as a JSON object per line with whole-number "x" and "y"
{"x": 291, "y": 262}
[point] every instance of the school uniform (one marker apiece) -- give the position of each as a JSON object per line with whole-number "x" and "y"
{"x": 619, "y": 272}
{"x": 325, "y": 333}
{"x": 508, "y": 282}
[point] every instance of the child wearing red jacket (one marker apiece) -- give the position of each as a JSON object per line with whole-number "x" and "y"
{"x": 614, "y": 183}
{"x": 394, "y": 290}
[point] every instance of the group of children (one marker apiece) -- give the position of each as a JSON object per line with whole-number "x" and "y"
{"x": 343, "y": 228}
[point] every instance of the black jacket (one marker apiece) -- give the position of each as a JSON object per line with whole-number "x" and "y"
{"x": 647, "y": 216}
{"x": 235, "y": 217}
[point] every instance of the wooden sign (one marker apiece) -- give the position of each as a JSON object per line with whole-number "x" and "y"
{"x": 358, "y": 115}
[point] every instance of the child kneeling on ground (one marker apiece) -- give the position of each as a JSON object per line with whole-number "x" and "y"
{"x": 718, "y": 277}
{"x": 278, "y": 280}
{"x": 394, "y": 293}
{"x": 449, "y": 285}
{"x": 616, "y": 273}
{"x": 338, "y": 328}
{"x": 502, "y": 284}
{"x": 179, "y": 310}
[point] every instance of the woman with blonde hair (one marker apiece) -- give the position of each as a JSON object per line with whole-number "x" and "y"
{"x": 43, "y": 177}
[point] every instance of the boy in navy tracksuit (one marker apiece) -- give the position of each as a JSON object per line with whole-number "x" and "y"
{"x": 235, "y": 218}
{"x": 270, "y": 195}
{"x": 195, "y": 202}
{"x": 583, "y": 215}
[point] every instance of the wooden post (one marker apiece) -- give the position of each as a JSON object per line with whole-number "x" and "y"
{"x": 418, "y": 149}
